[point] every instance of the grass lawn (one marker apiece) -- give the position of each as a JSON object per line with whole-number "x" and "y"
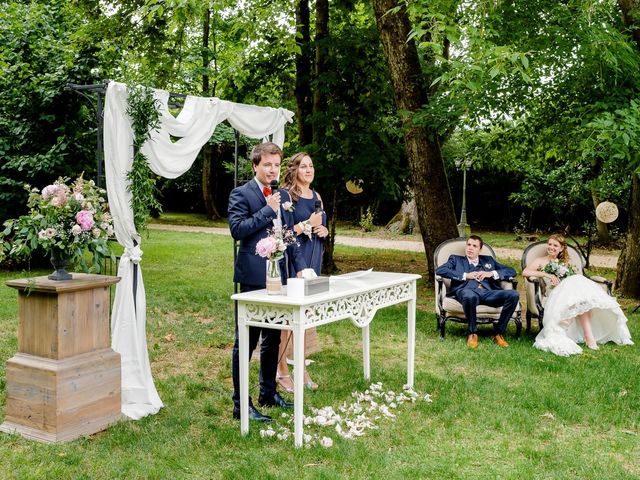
{"x": 496, "y": 413}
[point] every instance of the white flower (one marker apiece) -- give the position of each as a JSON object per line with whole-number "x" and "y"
{"x": 267, "y": 432}
{"x": 288, "y": 206}
{"x": 78, "y": 196}
{"x": 76, "y": 230}
{"x": 96, "y": 232}
{"x": 326, "y": 442}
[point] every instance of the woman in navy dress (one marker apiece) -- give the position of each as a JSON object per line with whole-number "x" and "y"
{"x": 310, "y": 229}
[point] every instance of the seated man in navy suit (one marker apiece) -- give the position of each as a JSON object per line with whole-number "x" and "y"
{"x": 475, "y": 280}
{"x": 253, "y": 207}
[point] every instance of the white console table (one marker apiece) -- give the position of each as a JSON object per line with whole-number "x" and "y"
{"x": 356, "y": 296}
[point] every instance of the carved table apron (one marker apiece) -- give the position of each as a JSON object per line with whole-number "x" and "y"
{"x": 350, "y": 296}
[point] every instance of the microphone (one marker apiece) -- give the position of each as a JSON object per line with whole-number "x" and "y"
{"x": 273, "y": 185}
{"x": 318, "y": 207}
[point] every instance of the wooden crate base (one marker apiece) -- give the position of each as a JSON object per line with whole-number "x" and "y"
{"x": 59, "y": 400}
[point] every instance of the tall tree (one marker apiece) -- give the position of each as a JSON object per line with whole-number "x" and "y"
{"x": 628, "y": 279}
{"x": 303, "y": 93}
{"x": 208, "y": 164}
{"x": 433, "y": 199}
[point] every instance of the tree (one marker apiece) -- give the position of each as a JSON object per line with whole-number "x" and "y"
{"x": 303, "y": 93}
{"x": 433, "y": 199}
{"x": 45, "y": 132}
{"x": 628, "y": 280}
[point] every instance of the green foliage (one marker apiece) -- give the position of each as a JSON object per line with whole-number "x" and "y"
{"x": 145, "y": 118}
{"x": 44, "y": 132}
{"x": 541, "y": 90}
{"x": 615, "y": 136}
{"x": 366, "y": 220}
{"x": 363, "y": 136}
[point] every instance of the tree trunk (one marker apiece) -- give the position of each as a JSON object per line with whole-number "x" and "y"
{"x": 319, "y": 120}
{"x": 303, "y": 94}
{"x": 322, "y": 52}
{"x": 328, "y": 263}
{"x": 628, "y": 279}
{"x": 433, "y": 198}
{"x": 207, "y": 158}
{"x": 405, "y": 220}
{"x": 604, "y": 236}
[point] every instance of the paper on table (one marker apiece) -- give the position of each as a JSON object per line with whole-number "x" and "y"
{"x": 352, "y": 275}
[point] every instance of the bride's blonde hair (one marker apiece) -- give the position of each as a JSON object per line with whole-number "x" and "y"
{"x": 563, "y": 256}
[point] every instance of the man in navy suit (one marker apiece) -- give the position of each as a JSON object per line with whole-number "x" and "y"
{"x": 475, "y": 280}
{"x": 252, "y": 210}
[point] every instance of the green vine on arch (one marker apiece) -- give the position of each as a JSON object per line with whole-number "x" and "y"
{"x": 145, "y": 118}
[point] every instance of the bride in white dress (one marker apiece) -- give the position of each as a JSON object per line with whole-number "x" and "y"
{"x": 577, "y": 310}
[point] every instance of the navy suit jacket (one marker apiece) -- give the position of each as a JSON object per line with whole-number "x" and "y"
{"x": 249, "y": 219}
{"x": 457, "y": 265}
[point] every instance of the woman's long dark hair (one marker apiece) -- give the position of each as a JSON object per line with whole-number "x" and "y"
{"x": 291, "y": 177}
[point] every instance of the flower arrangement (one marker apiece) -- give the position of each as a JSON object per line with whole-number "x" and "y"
{"x": 558, "y": 268}
{"x": 272, "y": 246}
{"x": 63, "y": 219}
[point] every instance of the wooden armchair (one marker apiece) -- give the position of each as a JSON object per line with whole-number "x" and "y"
{"x": 448, "y": 308}
{"x": 536, "y": 288}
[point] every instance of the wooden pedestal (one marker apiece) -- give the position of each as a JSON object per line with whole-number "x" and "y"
{"x": 64, "y": 381}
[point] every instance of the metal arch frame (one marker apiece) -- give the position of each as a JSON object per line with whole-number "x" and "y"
{"x": 97, "y": 102}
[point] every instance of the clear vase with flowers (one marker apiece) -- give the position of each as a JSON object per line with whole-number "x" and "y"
{"x": 66, "y": 221}
{"x": 272, "y": 247}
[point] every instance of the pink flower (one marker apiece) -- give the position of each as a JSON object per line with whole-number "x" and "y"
{"x": 266, "y": 247}
{"x": 85, "y": 219}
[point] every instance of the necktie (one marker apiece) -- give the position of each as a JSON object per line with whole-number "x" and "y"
{"x": 266, "y": 191}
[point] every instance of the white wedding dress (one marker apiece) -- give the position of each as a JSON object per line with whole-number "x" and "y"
{"x": 575, "y": 295}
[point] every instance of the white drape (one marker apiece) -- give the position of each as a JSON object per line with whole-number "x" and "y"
{"x": 192, "y": 128}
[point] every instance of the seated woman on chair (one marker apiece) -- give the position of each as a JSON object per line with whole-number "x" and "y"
{"x": 577, "y": 309}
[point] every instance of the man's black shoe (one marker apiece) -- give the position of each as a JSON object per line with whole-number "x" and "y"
{"x": 276, "y": 401}
{"x": 254, "y": 414}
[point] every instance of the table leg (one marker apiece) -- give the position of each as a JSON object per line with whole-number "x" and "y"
{"x": 243, "y": 340}
{"x": 411, "y": 334}
{"x": 298, "y": 382}
{"x": 366, "y": 343}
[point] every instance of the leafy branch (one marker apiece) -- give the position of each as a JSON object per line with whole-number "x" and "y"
{"x": 145, "y": 118}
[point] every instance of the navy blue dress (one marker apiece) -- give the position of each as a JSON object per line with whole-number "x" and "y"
{"x": 310, "y": 251}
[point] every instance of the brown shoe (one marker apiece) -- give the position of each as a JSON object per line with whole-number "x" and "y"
{"x": 500, "y": 341}
{"x": 472, "y": 340}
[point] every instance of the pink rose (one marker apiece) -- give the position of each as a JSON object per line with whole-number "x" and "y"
{"x": 84, "y": 218}
{"x": 266, "y": 247}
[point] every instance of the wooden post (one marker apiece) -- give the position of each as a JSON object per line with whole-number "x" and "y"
{"x": 65, "y": 380}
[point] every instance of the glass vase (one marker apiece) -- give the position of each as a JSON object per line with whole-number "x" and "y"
{"x": 60, "y": 261}
{"x": 274, "y": 282}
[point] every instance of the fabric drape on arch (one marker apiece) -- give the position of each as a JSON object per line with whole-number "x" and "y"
{"x": 193, "y": 127}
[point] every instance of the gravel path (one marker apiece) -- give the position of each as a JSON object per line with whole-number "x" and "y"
{"x": 608, "y": 261}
